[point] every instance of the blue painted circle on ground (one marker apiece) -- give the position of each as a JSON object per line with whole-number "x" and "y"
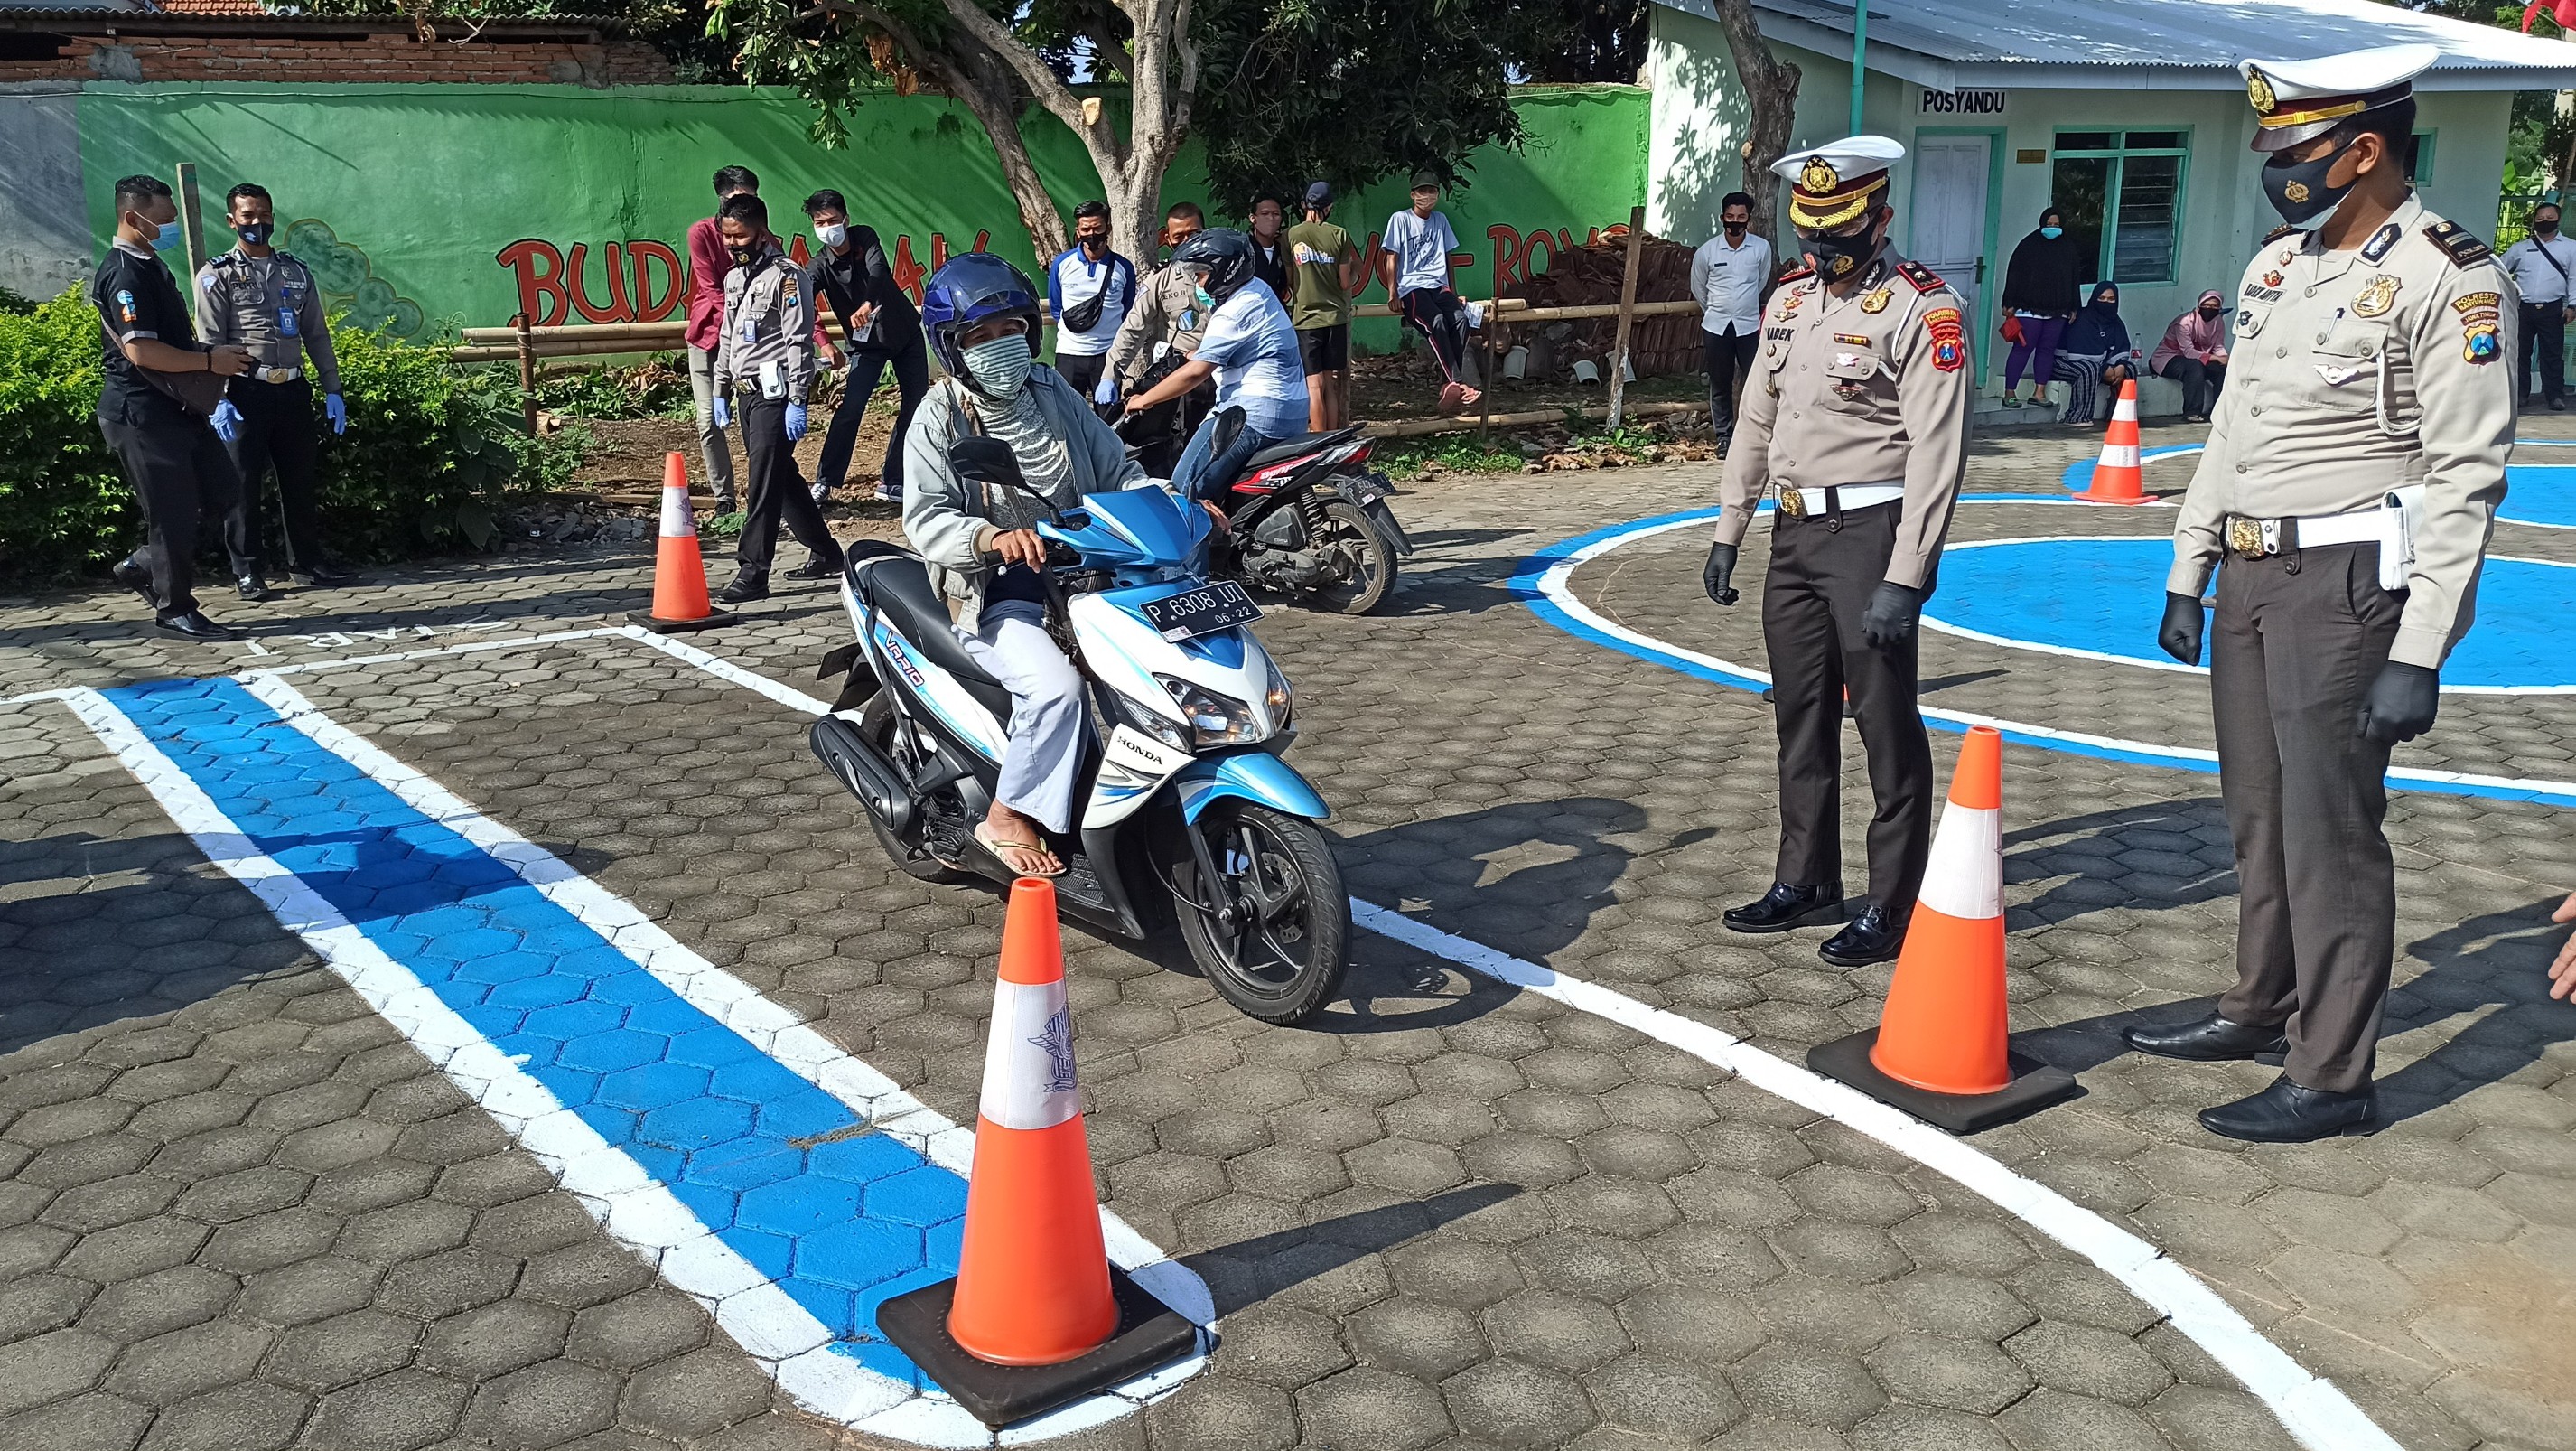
{"x": 2539, "y": 494}
{"x": 2106, "y": 596}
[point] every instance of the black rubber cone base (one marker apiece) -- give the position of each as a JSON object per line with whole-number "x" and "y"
{"x": 1149, "y": 1334}
{"x": 2035, "y": 1085}
{"x": 644, "y": 618}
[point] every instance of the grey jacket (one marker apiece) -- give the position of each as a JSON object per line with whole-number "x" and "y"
{"x": 945, "y": 516}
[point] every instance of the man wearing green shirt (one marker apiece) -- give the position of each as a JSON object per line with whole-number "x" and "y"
{"x": 1325, "y": 270}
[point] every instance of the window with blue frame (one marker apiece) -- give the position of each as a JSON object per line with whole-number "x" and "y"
{"x": 2120, "y": 194}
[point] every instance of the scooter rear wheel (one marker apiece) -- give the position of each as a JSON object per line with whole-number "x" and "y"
{"x": 1280, "y": 948}
{"x": 912, "y": 857}
{"x": 1367, "y": 557}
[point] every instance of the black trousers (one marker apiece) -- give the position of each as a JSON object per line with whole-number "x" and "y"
{"x": 180, "y": 475}
{"x": 1437, "y": 314}
{"x": 277, "y": 433}
{"x": 1729, "y": 358}
{"x": 776, "y": 491}
{"x": 2295, "y": 644}
{"x": 910, "y": 364}
{"x": 2200, "y": 382}
{"x": 2544, "y": 332}
{"x": 1082, "y": 370}
{"x": 1823, "y": 572}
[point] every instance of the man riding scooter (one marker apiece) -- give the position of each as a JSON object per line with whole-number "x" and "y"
{"x": 1250, "y": 348}
{"x": 979, "y": 538}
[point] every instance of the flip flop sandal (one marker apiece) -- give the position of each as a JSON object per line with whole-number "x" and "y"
{"x": 997, "y": 847}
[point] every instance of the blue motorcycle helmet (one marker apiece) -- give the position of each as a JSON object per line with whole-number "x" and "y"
{"x": 964, "y": 294}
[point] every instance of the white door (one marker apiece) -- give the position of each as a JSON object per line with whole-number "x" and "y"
{"x": 1949, "y": 230}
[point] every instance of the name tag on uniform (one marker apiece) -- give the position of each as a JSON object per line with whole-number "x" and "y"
{"x": 286, "y": 321}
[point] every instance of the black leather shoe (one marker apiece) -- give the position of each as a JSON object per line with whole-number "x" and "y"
{"x": 2287, "y": 1113}
{"x": 1876, "y": 935}
{"x": 1785, "y": 906}
{"x": 130, "y": 573}
{"x": 2211, "y": 1039}
{"x": 745, "y": 588}
{"x": 727, "y": 504}
{"x": 320, "y": 576}
{"x": 816, "y": 567}
{"x": 193, "y": 625}
{"x": 250, "y": 586}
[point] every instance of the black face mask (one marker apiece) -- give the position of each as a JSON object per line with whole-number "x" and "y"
{"x": 255, "y": 234}
{"x": 2544, "y": 229}
{"x": 742, "y": 256}
{"x": 1736, "y": 229}
{"x": 2298, "y": 189}
{"x": 1838, "y": 257}
{"x": 2209, "y": 312}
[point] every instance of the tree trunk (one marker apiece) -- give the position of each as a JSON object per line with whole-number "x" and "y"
{"x": 1771, "y": 86}
{"x": 996, "y": 104}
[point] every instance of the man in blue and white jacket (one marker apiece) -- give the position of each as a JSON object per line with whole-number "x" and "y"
{"x": 1089, "y": 290}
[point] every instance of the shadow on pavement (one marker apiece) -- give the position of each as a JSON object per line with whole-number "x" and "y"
{"x": 1249, "y": 1271}
{"x": 2498, "y": 960}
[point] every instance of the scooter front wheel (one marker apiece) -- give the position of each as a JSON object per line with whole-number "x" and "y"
{"x": 1272, "y": 933}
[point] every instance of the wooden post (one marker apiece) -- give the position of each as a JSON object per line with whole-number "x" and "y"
{"x": 1627, "y": 312}
{"x": 191, "y": 221}
{"x": 527, "y": 372}
{"x": 1493, "y": 371}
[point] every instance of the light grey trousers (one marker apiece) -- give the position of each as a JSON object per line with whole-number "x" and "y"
{"x": 1043, "y": 754}
{"x": 711, "y": 439}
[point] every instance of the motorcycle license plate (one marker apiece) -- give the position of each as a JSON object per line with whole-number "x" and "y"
{"x": 1218, "y": 605}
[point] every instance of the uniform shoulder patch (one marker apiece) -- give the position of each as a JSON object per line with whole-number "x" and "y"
{"x": 1923, "y": 278}
{"x": 225, "y": 260}
{"x": 2286, "y": 229}
{"x": 1949, "y": 346}
{"x": 2462, "y": 245}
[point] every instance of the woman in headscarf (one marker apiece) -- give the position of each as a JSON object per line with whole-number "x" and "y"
{"x": 2041, "y": 285}
{"x": 2194, "y": 354}
{"x": 2097, "y": 353}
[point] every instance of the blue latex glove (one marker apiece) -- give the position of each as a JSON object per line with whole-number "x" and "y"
{"x": 795, "y": 421}
{"x": 335, "y": 409}
{"x": 721, "y": 411}
{"x": 227, "y": 421}
{"x": 1106, "y": 393}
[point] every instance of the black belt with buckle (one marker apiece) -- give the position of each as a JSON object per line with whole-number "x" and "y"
{"x": 2251, "y": 538}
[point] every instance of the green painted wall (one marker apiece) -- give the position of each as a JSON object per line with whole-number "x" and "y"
{"x": 427, "y": 205}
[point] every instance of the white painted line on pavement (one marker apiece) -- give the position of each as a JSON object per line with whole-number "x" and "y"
{"x": 2320, "y": 1416}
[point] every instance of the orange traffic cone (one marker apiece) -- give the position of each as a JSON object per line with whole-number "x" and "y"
{"x": 1940, "y": 1050}
{"x": 1036, "y": 1316}
{"x": 2116, "y": 479}
{"x": 679, "y": 573}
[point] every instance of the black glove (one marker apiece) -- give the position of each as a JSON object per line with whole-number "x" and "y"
{"x": 1890, "y": 621}
{"x": 2401, "y": 704}
{"x": 1714, "y": 575}
{"x": 2179, "y": 635}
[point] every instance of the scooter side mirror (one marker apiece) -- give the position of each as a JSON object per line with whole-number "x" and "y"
{"x": 1229, "y": 426}
{"x": 987, "y": 461}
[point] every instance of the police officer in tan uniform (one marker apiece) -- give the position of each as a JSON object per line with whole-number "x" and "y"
{"x": 1857, "y": 412}
{"x": 767, "y": 352}
{"x": 2350, "y": 483}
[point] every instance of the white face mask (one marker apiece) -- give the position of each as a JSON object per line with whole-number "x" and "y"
{"x": 832, "y": 234}
{"x": 1000, "y": 368}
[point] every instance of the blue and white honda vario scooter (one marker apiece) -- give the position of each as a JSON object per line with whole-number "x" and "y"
{"x": 1185, "y": 807}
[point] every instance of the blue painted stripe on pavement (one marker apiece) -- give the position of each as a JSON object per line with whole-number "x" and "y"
{"x": 2540, "y": 494}
{"x": 2079, "y": 474}
{"x": 840, "y": 1225}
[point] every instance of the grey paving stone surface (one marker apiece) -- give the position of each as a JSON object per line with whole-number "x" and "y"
{"x": 237, "y": 1210}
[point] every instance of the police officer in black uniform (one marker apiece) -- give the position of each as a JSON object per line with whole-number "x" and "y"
{"x": 267, "y": 301}
{"x": 161, "y": 388}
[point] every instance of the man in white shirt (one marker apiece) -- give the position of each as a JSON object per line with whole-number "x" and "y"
{"x": 1249, "y": 347}
{"x": 1414, "y": 265}
{"x": 1089, "y": 290}
{"x": 1728, "y": 276}
{"x": 2539, "y": 265}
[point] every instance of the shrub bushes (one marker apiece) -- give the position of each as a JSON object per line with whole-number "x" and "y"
{"x": 434, "y": 452}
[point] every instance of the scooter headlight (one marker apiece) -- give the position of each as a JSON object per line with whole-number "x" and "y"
{"x": 1215, "y": 720}
{"x": 1151, "y": 723}
{"x": 1281, "y": 700}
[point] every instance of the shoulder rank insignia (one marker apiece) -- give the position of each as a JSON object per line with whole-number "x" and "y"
{"x": 2379, "y": 243}
{"x": 1923, "y": 278}
{"x": 2375, "y": 298}
{"x": 1949, "y": 347}
{"x": 1795, "y": 273}
{"x": 2462, "y": 245}
{"x": 2286, "y": 229}
{"x": 1877, "y": 301}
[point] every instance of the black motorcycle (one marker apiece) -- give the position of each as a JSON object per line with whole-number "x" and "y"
{"x": 1309, "y": 518}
